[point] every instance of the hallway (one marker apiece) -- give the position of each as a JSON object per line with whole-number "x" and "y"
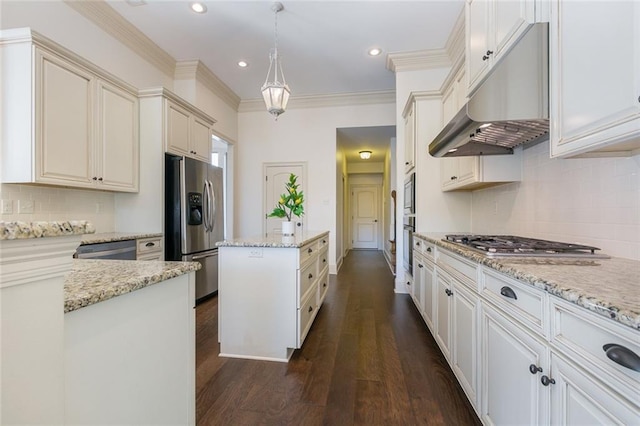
{"x": 368, "y": 359}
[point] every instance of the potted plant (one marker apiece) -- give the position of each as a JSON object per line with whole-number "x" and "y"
{"x": 290, "y": 203}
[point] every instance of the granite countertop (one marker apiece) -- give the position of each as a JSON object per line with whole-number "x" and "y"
{"x": 274, "y": 241}
{"x": 94, "y": 281}
{"x": 16, "y": 230}
{"x": 107, "y": 237}
{"x": 609, "y": 287}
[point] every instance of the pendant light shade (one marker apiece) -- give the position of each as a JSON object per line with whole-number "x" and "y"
{"x": 275, "y": 92}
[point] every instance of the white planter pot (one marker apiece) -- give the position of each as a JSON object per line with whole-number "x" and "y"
{"x": 288, "y": 228}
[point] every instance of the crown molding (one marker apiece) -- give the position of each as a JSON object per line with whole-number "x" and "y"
{"x": 105, "y": 17}
{"x": 418, "y": 60}
{"x": 187, "y": 70}
{"x": 319, "y": 101}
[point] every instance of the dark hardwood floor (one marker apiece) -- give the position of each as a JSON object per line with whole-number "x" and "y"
{"x": 368, "y": 360}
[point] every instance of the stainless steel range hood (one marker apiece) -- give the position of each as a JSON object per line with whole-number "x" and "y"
{"x": 510, "y": 108}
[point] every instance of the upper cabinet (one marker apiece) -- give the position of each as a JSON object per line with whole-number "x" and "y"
{"x": 458, "y": 173}
{"x": 189, "y": 130}
{"x": 409, "y": 135}
{"x": 492, "y": 28}
{"x": 594, "y": 78}
{"x": 66, "y": 121}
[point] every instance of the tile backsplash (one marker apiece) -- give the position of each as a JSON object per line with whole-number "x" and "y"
{"x": 52, "y": 203}
{"x": 594, "y": 201}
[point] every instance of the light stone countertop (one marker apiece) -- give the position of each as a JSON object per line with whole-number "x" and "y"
{"x": 107, "y": 237}
{"x": 93, "y": 281}
{"x": 274, "y": 241}
{"x": 609, "y": 287}
{"x": 16, "y": 230}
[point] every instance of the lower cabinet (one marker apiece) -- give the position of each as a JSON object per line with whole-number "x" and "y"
{"x": 443, "y": 313}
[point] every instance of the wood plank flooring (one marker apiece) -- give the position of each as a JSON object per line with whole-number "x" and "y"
{"x": 368, "y": 360}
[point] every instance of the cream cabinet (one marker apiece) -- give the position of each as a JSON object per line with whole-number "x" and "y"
{"x": 149, "y": 248}
{"x": 269, "y": 294}
{"x": 66, "y": 122}
{"x": 189, "y": 131}
{"x": 409, "y": 136}
{"x": 594, "y": 78}
{"x": 465, "y": 173}
{"x": 492, "y": 28}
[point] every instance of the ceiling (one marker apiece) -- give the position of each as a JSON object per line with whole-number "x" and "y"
{"x": 323, "y": 45}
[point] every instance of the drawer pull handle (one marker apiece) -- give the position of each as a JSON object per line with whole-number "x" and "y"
{"x": 429, "y": 249}
{"x": 310, "y": 276}
{"x": 309, "y": 251}
{"x": 310, "y": 308}
{"x": 449, "y": 292}
{"x": 547, "y": 381}
{"x": 150, "y": 244}
{"x": 623, "y": 356}
{"x": 508, "y": 292}
{"x": 534, "y": 369}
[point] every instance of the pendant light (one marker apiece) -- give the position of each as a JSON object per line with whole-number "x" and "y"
{"x": 276, "y": 92}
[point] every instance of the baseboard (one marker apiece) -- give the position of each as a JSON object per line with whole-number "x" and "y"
{"x": 387, "y": 257}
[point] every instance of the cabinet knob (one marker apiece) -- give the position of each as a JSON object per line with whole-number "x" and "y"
{"x": 324, "y": 284}
{"x": 546, "y": 381}
{"x": 429, "y": 249}
{"x": 406, "y": 163}
{"x": 95, "y": 178}
{"x": 310, "y": 308}
{"x": 534, "y": 369}
{"x": 420, "y": 265}
{"x": 310, "y": 276}
{"x": 100, "y": 179}
{"x": 454, "y": 177}
{"x": 508, "y": 292}
{"x": 408, "y": 282}
{"x": 622, "y": 356}
{"x": 449, "y": 292}
{"x": 324, "y": 260}
{"x": 310, "y": 251}
{"x": 485, "y": 57}
{"x": 489, "y": 52}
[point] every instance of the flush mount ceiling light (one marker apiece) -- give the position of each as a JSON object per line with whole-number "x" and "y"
{"x": 375, "y": 51}
{"x": 198, "y": 7}
{"x": 365, "y": 155}
{"x": 276, "y": 92}
{"x": 243, "y": 64}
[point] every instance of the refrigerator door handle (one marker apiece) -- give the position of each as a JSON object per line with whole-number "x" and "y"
{"x": 205, "y": 206}
{"x": 213, "y": 205}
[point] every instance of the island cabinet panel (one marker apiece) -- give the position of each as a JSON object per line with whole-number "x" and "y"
{"x": 269, "y": 294}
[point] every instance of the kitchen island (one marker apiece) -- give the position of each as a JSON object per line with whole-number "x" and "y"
{"x": 270, "y": 291}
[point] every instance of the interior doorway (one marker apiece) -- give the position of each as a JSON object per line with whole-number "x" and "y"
{"x": 365, "y": 214}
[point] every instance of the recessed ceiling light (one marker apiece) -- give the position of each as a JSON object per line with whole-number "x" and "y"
{"x": 375, "y": 51}
{"x": 198, "y": 7}
{"x": 243, "y": 64}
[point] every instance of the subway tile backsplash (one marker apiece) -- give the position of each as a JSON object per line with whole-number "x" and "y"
{"x": 594, "y": 201}
{"x": 52, "y": 203}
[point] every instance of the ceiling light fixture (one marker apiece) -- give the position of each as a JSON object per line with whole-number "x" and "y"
{"x": 198, "y": 7}
{"x": 243, "y": 64}
{"x": 275, "y": 93}
{"x": 365, "y": 155}
{"x": 375, "y": 51}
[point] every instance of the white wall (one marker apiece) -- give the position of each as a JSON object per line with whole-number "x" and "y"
{"x": 594, "y": 201}
{"x": 302, "y": 134}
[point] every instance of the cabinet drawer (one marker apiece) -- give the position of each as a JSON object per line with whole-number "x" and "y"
{"x": 426, "y": 248}
{"x": 308, "y": 251}
{"x": 323, "y": 287}
{"x": 148, "y": 245}
{"x": 521, "y": 301}
{"x": 151, "y": 256}
{"x": 323, "y": 260}
{"x": 306, "y": 314}
{"x": 323, "y": 242}
{"x": 464, "y": 270}
{"x": 306, "y": 279}
{"x": 585, "y": 337}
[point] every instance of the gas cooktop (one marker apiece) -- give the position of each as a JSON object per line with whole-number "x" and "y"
{"x": 509, "y": 245}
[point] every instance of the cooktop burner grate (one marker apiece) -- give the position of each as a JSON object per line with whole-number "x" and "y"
{"x": 509, "y": 245}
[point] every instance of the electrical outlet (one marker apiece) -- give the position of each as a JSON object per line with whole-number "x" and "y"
{"x": 7, "y": 206}
{"x": 255, "y": 252}
{"x": 26, "y": 206}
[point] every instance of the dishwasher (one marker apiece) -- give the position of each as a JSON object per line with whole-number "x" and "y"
{"x": 122, "y": 250}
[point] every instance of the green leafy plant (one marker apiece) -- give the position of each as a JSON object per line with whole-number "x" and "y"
{"x": 291, "y": 202}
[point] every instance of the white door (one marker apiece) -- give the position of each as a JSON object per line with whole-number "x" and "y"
{"x": 276, "y": 176}
{"x": 364, "y": 211}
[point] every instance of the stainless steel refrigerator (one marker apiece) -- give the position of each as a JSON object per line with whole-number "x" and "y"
{"x": 194, "y": 217}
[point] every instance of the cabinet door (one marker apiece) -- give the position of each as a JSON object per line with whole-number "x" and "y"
{"x": 448, "y": 172}
{"x": 428, "y": 290}
{"x": 64, "y": 118}
{"x": 464, "y": 339}
{"x": 443, "y": 313}
{"x": 418, "y": 283}
{"x": 511, "y": 394}
{"x": 579, "y": 399}
{"x": 201, "y": 140}
{"x": 509, "y": 20}
{"x": 468, "y": 170}
{"x": 178, "y": 125}
{"x": 594, "y": 76}
{"x": 117, "y": 139}
{"x": 409, "y": 139}
{"x": 477, "y": 14}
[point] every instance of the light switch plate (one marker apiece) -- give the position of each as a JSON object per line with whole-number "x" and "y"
{"x": 26, "y": 206}
{"x": 7, "y": 207}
